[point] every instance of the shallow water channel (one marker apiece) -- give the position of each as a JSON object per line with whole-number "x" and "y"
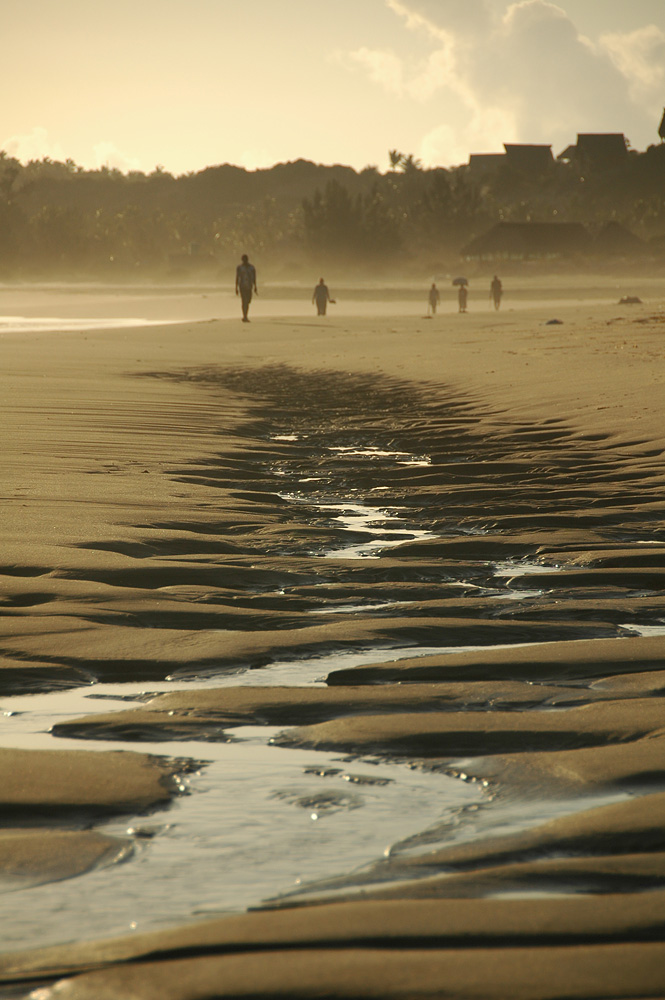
{"x": 255, "y": 821}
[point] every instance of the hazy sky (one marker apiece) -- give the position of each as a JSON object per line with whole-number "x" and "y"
{"x": 192, "y": 83}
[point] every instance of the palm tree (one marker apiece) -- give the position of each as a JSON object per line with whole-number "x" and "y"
{"x": 395, "y": 158}
{"x": 410, "y": 164}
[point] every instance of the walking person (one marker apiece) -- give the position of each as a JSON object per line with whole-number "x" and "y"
{"x": 462, "y": 295}
{"x": 245, "y": 284}
{"x": 321, "y": 297}
{"x": 433, "y": 298}
{"x": 496, "y": 291}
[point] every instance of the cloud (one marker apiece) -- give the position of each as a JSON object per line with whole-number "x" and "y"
{"x": 35, "y": 145}
{"x": 460, "y": 17}
{"x": 555, "y": 81}
{"x": 440, "y": 70}
{"x": 382, "y": 67}
{"x": 437, "y": 72}
{"x": 38, "y": 145}
{"x": 551, "y": 78}
{"x": 517, "y": 72}
{"x": 403, "y": 76}
{"x": 482, "y": 132}
{"x": 538, "y": 15}
{"x": 256, "y": 159}
{"x": 399, "y": 77}
{"x": 640, "y": 58}
{"x": 107, "y": 154}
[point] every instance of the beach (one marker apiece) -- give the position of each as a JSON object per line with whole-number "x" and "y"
{"x": 332, "y": 647}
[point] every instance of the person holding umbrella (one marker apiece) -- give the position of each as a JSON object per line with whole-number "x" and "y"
{"x": 462, "y": 293}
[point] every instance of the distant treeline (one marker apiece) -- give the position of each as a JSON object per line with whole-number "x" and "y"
{"x": 59, "y": 219}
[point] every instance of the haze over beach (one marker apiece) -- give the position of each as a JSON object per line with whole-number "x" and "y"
{"x": 332, "y": 642}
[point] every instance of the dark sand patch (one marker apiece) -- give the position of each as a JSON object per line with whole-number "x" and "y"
{"x": 25, "y": 676}
{"x": 535, "y": 973}
{"x": 392, "y": 925}
{"x": 620, "y": 873}
{"x": 58, "y": 783}
{"x": 452, "y": 734}
{"x": 186, "y": 714}
{"x": 556, "y": 661}
{"x": 602, "y": 755}
{"x": 115, "y": 650}
{"x": 631, "y": 685}
{"x": 32, "y": 856}
{"x": 632, "y": 766}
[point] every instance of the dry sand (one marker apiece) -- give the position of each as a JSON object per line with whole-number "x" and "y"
{"x": 141, "y": 499}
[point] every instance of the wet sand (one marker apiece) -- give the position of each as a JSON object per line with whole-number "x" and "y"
{"x": 478, "y": 499}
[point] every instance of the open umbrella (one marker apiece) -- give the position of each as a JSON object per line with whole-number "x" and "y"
{"x": 460, "y": 281}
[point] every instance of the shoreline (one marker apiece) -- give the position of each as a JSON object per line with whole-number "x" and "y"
{"x": 210, "y": 300}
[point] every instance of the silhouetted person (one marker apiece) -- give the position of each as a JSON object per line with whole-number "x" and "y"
{"x": 496, "y": 291}
{"x": 661, "y": 130}
{"x": 462, "y": 297}
{"x": 322, "y": 297}
{"x": 245, "y": 284}
{"x": 433, "y": 298}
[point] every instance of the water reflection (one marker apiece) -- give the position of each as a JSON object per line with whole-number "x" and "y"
{"x": 259, "y": 821}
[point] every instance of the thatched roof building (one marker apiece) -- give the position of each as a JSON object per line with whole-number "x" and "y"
{"x": 614, "y": 238}
{"x": 521, "y": 240}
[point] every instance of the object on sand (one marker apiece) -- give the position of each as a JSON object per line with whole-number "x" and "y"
{"x": 630, "y": 300}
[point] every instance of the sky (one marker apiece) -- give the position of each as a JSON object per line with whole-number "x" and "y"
{"x": 187, "y": 84}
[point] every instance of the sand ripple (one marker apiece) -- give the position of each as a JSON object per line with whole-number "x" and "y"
{"x": 506, "y": 576}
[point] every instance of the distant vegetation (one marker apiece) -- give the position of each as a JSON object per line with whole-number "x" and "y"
{"x": 59, "y": 220}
